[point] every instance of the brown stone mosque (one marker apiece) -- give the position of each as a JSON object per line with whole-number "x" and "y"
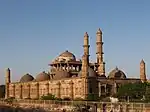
{"x": 72, "y": 78}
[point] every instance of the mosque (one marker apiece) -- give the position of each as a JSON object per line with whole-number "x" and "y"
{"x": 72, "y": 78}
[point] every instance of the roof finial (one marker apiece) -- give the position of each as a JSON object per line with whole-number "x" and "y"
{"x": 142, "y": 61}
{"x": 86, "y": 34}
{"x": 99, "y": 31}
{"x": 116, "y": 68}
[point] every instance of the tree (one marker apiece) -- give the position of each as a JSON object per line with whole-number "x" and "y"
{"x": 2, "y": 91}
{"x": 48, "y": 97}
{"x": 132, "y": 91}
{"x": 147, "y": 93}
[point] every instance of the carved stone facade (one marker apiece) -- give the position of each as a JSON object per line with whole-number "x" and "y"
{"x": 72, "y": 78}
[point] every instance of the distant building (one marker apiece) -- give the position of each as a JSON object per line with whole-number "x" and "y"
{"x": 72, "y": 78}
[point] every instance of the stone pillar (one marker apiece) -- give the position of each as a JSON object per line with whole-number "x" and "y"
{"x": 99, "y": 86}
{"x": 28, "y": 88}
{"x": 65, "y": 67}
{"x": 47, "y": 88}
{"x": 68, "y": 67}
{"x": 7, "y": 82}
{"x": 115, "y": 88}
{"x": 77, "y": 68}
{"x": 13, "y": 89}
{"x": 71, "y": 90}
{"x": 71, "y": 67}
{"x": 58, "y": 90}
{"x": 105, "y": 88}
{"x": 20, "y": 91}
{"x": 37, "y": 90}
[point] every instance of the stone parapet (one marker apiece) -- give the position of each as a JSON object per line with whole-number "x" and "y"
{"x": 69, "y": 105}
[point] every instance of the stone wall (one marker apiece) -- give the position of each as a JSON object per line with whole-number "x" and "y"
{"x": 69, "y": 105}
{"x": 72, "y": 88}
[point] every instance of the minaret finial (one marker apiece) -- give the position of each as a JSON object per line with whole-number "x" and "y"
{"x": 86, "y": 34}
{"x": 142, "y": 61}
{"x": 116, "y": 68}
{"x": 99, "y": 31}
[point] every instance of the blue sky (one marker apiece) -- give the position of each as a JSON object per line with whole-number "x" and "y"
{"x": 33, "y": 32}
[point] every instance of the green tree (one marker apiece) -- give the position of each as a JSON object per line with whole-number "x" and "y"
{"x": 2, "y": 91}
{"x": 92, "y": 97}
{"x": 147, "y": 93}
{"x": 48, "y": 97}
{"x": 132, "y": 90}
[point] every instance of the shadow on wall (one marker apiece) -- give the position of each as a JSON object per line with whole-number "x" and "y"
{"x": 19, "y": 109}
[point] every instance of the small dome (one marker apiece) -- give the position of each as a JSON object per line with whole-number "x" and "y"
{"x": 60, "y": 74}
{"x": 66, "y": 56}
{"x": 90, "y": 71}
{"x": 117, "y": 74}
{"x": 42, "y": 76}
{"x": 26, "y": 78}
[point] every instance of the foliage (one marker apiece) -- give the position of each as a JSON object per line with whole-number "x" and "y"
{"x": 2, "y": 91}
{"x": 132, "y": 91}
{"x": 66, "y": 99}
{"x": 78, "y": 99}
{"x": 92, "y": 97}
{"x": 48, "y": 97}
{"x": 10, "y": 100}
{"x": 147, "y": 93}
{"x": 105, "y": 99}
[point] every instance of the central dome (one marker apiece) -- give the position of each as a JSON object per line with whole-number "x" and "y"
{"x": 66, "y": 56}
{"x": 61, "y": 74}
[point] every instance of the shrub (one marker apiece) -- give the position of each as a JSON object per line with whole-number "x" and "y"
{"x": 48, "y": 97}
{"x": 78, "y": 99}
{"x": 66, "y": 98}
{"x": 92, "y": 97}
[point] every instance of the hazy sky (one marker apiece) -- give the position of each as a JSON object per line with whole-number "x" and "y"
{"x": 34, "y": 32}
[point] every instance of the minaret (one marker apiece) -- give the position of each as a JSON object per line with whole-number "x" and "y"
{"x": 86, "y": 44}
{"x": 85, "y": 57}
{"x": 142, "y": 71}
{"x": 85, "y": 66}
{"x": 7, "y": 82}
{"x": 99, "y": 47}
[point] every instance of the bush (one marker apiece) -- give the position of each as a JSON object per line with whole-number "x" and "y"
{"x": 78, "y": 99}
{"x": 67, "y": 99}
{"x": 92, "y": 97}
{"x": 58, "y": 99}
{"x": 48, "y": 97}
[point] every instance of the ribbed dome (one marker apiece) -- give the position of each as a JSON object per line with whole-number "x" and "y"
{"x": 90, "y": 71}
{"x": 60, "y": 74}
{"x": 42, "y": 76}
{"x": 117, "y": 74}
{"x": 66, "y": 56}
{"x": 26, "y": 78}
